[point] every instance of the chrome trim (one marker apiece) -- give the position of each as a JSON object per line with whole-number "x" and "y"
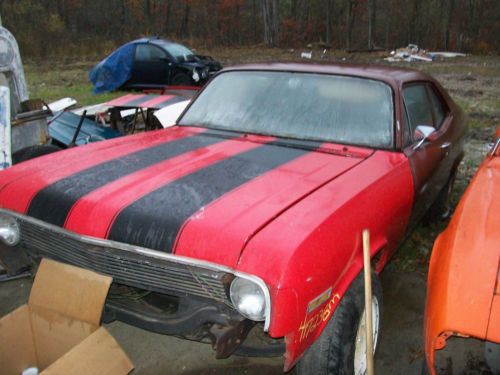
{"x": 153, "y": 254}
{"x": 3, "y": 233}
{"x": 494, "y": 148}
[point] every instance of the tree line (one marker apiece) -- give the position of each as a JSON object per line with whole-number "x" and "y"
{"x": 44, "y": 27}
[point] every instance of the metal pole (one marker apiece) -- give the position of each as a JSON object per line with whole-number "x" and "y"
{"x": 368, "y": 302}
{"x": 80, "y": 123}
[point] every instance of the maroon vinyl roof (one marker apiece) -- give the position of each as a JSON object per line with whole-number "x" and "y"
{"x": 392, "y": 75}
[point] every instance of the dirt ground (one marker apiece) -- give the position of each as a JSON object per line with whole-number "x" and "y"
{"x": 474, "y": 82}
{"x": 400, "y": 350}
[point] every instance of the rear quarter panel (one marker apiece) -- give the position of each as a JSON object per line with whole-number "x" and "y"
{"x": 316, "y": 244}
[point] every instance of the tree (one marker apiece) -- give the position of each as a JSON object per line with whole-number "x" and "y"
{"x": 270, "y": 14}
{"x": 372, "y": 17}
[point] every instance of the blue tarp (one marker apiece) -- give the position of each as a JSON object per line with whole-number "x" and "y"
{"x": 114, "y": 70}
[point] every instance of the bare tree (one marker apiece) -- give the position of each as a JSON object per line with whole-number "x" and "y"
{"x": 329, "y": 11}
{"x": 350, "y": 18}
{"x": 185, "y": 20}
{"x": 270, "y": 13}
{"x": 447, "y": 23}
{"x": 372, "y": 18}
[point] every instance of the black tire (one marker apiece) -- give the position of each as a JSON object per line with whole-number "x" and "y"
{"x": 181, "y": 79}
{"x": 32, "y": 152}
{"x": 333, "y": 352}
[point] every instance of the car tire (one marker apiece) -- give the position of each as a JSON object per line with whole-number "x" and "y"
{"x": 181, "y": 79}
{"x": 33, "y": 152}
{"x": 341, "y": 349}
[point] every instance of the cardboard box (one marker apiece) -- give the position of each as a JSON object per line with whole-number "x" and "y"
{"x": 58, "y": 329}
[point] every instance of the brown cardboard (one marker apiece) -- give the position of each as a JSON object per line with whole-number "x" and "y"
{"x": 17, "y": 351}
{"x": 58, "y": 330}
{"x": 71, "y": 291}
{"x": 96, "y": 351}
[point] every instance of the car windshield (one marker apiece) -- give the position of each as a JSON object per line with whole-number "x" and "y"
{"x": 321, "y": 107}
{"x": 179, "y": 52}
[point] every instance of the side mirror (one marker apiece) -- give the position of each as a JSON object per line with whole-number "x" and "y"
{"x": 422, "y": 133}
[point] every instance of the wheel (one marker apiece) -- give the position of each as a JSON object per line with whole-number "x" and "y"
{"x": 341, "y": 347}
{"x": 32, "y": 152}
{"x": 181, "y": 79}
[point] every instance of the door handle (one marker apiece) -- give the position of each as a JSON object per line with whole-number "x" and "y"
{"x": 445, "y": 145}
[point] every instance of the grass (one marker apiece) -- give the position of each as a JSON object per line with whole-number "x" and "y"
{"x": 52, "y": 82}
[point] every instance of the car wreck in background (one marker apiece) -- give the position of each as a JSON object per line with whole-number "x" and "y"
{"x": 25, "y": 134}
{"x": 152, "y": 63}
{"x": 244, "y": 220}
{"x": 463, "y": 293}
{"x": 121, "y": 116}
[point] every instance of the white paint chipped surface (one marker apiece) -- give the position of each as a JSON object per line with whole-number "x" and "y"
{"x": 5, "y": 145}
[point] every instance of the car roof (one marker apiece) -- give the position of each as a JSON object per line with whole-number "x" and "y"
{"x": 153, "y": 40}
{"x": 389, "y": 74}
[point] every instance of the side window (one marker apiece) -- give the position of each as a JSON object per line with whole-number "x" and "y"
{"x": 437, "y": 106}
{"x": 146, "y": 52}
{"x": 418, "y": 106}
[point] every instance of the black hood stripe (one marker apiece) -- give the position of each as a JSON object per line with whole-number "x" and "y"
{"x": 54, "y": 202}
{"x": 154, "y": 220}
{"x": 138, "y": 101}
{"x": 175, "y": 99}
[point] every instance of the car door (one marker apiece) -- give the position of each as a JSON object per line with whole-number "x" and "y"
{"x": 430, "y": 162}
{"x": 151, "y": 66}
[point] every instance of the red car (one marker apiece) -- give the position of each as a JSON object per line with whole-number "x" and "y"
{"x": 247, "y": 215}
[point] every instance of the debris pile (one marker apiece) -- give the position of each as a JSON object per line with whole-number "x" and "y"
{"x": 410, "y": 53}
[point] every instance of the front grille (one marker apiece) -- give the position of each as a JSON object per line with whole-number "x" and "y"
{"x": 125, "y": 266}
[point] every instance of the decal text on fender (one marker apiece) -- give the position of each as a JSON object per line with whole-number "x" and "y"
{"x": 310, "y": 323}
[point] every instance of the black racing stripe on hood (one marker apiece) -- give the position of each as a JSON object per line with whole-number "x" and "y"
{"x": 167, "y": 102}
{"x": 53, "y": 203}
{"x": 154, "y": 220}
{"x": 136, "y": 102}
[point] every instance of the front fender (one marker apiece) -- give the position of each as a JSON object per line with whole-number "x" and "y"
{"x": 316, "y": 246}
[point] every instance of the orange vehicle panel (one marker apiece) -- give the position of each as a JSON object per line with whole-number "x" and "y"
{"x": 462, "y": 283}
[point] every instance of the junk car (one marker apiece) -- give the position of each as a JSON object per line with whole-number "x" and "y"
{"x": 243, "y": 221}
{"x": 120, "y": 116}
{"x": 152, "y": 63}
{"x": 463, "y": 294}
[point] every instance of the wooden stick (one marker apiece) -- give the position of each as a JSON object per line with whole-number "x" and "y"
{"x": 368, "y": 302}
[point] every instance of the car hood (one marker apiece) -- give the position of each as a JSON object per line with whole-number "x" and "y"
{"x": 200, "y": 61}
{"x": 174, "y": 190}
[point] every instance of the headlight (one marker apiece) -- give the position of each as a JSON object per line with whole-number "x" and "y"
{"x": 10, "y": 232}
{"x": 248, "y": 298}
